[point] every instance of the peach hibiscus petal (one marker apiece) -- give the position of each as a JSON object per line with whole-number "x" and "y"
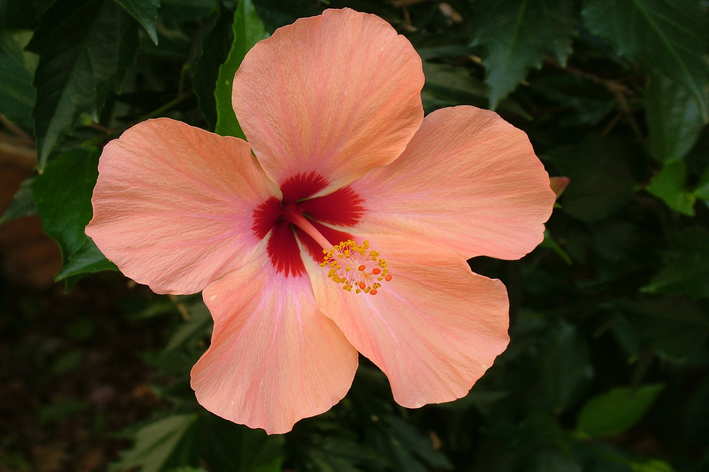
{"x": 433, "y": 329}
{"x": 334, "y": 94}
{"x": 274, "y": 358}
{"x": 172, "y": 205}
{"x": 468, "y": 180}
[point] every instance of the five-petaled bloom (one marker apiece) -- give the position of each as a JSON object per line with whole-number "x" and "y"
{"x": 348, "y": 231}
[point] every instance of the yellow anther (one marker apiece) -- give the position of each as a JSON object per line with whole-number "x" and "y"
{"x": 355, "y": 266}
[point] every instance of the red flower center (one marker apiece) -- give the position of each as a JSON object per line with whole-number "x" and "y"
{"x": 342, "y": 207}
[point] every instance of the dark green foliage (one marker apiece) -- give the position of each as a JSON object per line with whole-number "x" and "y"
{"x": 247, "y": 30}
{"x": 146, "y": 12}
{"x": 673, "y": 118}
{"x": 615, "y": 411}
{"x": 669, "y": 185}
{"x": 215, "y": 48}
{"x": 17, "y": 14}
{"x": 517, "y": 35}
{"x": 22, "y": 205}
{"x": 63, "y": 197}
{"x": 600, "y": 168}
{"x": 672, "y": 327}
{"x": 181, "y": 11}
{"x": 687, "y": 265}
{"x": 180, "y": 439}
{"x": 85, "y": 48}
{"x": 608, "y": 365}
{"x": 277, "y": 13}
{"x": 16, "y": 68}
{"x": 672, "y": 36}
{"x": 160, "y": 444}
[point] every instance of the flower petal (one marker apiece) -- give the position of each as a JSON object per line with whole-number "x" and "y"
{"x": 334, "y": 94}
{"x": 173, "y": 205}
{"x": 274, "y": 358}
{"x": 433, "y": 329}
{"x": 468, "y": 181}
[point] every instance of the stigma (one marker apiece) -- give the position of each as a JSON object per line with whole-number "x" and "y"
{"x": 357, "y": 267}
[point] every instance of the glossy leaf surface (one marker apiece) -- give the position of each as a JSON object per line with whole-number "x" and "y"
{"x": 85, "y": 49}
{"x": 670, "y": 35}
{"x": 517, "y": 35}
{"x": 615, "y": 411}
{"x": 146, "y": 12}
{"x": 247, "y": 30}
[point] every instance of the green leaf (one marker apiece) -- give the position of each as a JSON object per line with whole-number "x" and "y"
{"x": 85, "y": 48}
{"x": 187, "y": 10}
{"x": 584, "y": 101}
{"x": 416, "y": 444}
{"x": 617, "y": 410}
{"x": 340, "y": 453}
{"x": 454, "y": 83}
{"x": 195, "y": 326}
{"x": 669, "y": 186}
{"x": 517, "y": 35}
{"x": 673, "y": 118}
{"x": 565, "y": 370}
{"x": 23, "y": 203}
{"x": 248, "y": 30}
{"x": 163, "y": 444}
{"x": 17, "y": 96}
{"x": 428, "y": 53}
{"x": 673, "y": 327}
{"x": 146, "y": 12}
{"x": 277, "y": 13}
{"x": 448, "y": 85}
{"x": 651, "y": 466}
{"x": 228, "y": 446}
{"x": 702, "y": 189}
{"x": 686, "y": 265}
{"x": 157, "y": 307}
{"x": 601, "y": 179}
{"x": 476, "y": 397}
{"x": 88, "y": 259}
{"x": 63, "y": 197}
{"x": 13, "y": 43}
{"x": 550, "y": 243}
{"x": 670, "y": 35}
{"x": 405, "y": 447}
{"x": 215, "y": 50}
{"x": 542, "y": 447}
{"x": 603, "y": 457}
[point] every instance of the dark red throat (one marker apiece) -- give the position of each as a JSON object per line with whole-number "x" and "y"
{"x": 343, "y": 207}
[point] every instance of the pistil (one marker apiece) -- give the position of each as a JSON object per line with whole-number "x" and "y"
{"x": 295, "y": 216}
{"x": 355, "y": 266}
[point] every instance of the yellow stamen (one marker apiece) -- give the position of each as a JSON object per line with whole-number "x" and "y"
{"x": 343, "y": 258}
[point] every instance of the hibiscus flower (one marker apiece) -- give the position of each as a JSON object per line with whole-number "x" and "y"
{"x": 342, "y": 226}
